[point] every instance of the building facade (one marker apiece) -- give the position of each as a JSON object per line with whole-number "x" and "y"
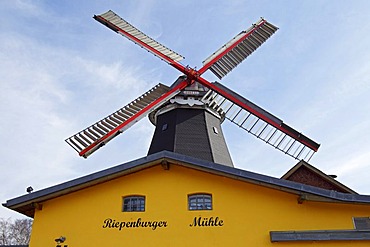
{"x": 169, "y": 199}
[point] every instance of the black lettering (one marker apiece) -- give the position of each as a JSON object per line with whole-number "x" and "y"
{"x": 111, "y": 223}
{"x": 211, "y": 222}
{"x": 154, "y": 225}
{"x": 204, "y": 222}
{"x": 194, "y": 222}
{"x": 107, "y": 223}
{"x": 199, "y": 221}
{"x": 121, "y": 225}
{"x": 138, "y": 222}
{"x": 216, "y": 221}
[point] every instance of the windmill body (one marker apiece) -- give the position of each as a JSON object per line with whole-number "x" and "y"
{"x": 188, "y": 114}
{"x": 186, "y": 125}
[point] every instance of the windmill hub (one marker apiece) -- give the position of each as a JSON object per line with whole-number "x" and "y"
{"x": 192, "y": 74}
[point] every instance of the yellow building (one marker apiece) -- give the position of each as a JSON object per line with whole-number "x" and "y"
{"x": 169, "y": 199}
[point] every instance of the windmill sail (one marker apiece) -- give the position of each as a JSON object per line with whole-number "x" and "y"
{"x": 237, "y": 109}
{"x": 119, "y": 25}
{"x": 92, "y": 138}
{"x": 238, "y": 48}
{"x": 260, "y": 123}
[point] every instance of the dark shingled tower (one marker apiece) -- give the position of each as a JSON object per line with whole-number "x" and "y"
{"x": 187, "y": 126}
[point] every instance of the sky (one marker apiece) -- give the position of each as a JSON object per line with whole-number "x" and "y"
{"x": 62, "y": 71}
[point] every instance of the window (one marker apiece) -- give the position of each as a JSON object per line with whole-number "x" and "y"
{"x": 133, "y": 204}
{"x": 361, "y": 223}
{"x": 200, "y": 202}
{"x": 164, "y": 127}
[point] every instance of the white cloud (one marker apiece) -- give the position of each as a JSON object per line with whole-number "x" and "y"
{"x": 41, "y": 89}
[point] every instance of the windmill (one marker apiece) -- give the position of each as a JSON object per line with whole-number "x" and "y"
{"x": 213, "y": 102}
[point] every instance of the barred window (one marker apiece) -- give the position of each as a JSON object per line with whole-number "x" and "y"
{"x": 200, "y": 202}
{"x": 133, "y": 204}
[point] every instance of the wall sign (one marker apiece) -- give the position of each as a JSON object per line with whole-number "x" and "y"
{"x": 154, "y": 224}
{"x": 111, "y": 223}
{"x": 200, "y": 221}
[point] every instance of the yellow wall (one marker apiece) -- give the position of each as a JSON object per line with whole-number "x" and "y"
{"x": 249, "y": 212}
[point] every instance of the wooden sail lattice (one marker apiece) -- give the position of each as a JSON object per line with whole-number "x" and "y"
{"x": 262, "y": 124}
{"x": 115, "y": 122}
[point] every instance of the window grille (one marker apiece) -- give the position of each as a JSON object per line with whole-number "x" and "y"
{"x": 133, "y": 204}
{"x": 200, "y": 202}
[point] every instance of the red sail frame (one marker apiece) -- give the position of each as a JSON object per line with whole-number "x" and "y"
{"x": 111, "y": 134}
{"x": 215, "y": 59}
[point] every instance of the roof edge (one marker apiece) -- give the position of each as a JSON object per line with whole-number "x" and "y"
{"x": 305, "y": 192}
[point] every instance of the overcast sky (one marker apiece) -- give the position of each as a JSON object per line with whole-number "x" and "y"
{"x": 61, "y": 71}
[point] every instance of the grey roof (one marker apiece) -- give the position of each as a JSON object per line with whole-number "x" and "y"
{"x": 323, "y": 235}
{"x": 26, "y": 204}
{"x": 13, "y": 245}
